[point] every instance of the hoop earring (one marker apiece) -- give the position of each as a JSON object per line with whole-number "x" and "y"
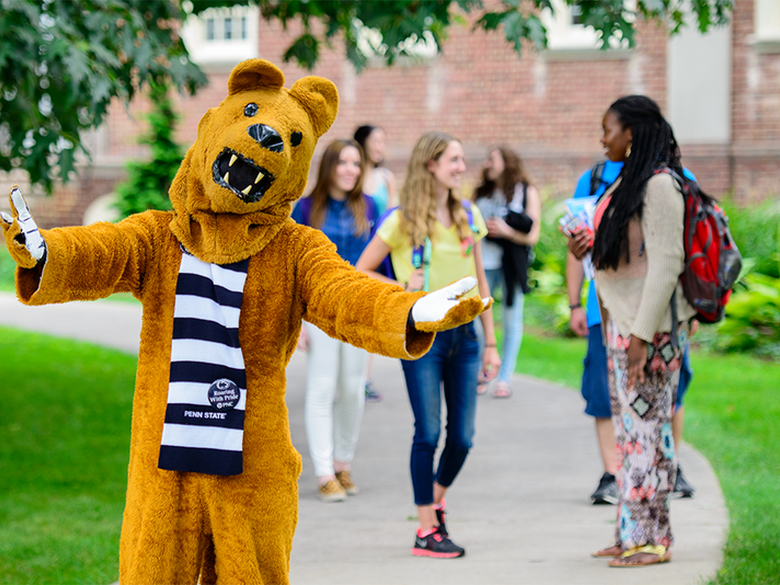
{"x": 628, "y": 150}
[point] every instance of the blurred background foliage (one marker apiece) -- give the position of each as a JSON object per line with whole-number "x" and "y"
{"x": 752, "y": 316}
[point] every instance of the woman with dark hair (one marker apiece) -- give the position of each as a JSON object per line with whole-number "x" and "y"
{"x": 336, "y": 370}
{"x": 433, "y": 224}
{"x": 638, "y": 255}
{"x": 379, "y": 181}
{"x": 512, "y": 210}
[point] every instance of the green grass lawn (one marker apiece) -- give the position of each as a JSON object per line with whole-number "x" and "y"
{"x": 7, "y": 268}
{"x": 733, "y": 418}
{"x": 64, "y": 447}
{"x": 64, "y": 441}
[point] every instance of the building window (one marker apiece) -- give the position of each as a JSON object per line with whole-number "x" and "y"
{"x": 766, "y": 24}
{"x": 228, "y": 29}
{"x": 223, "y": 35}
{"x": 567, "y": 34}
{"x": 411, "y": 50}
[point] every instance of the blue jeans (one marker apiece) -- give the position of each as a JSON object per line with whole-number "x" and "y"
{"x": 454, "y": 361}
{"x": 512, "y": 322}
{"x": 686, "y": 375}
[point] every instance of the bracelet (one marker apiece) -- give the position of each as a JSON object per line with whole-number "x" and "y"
{"x": 490, "y": 345}
{"x": 577, "y": 306}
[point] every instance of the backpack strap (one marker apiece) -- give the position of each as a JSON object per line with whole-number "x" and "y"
{"x": 371, "y": 211}
{"x": 421, "y": 255}
{"x": 421, "y": 258}
{"x": 386, "y": 266}
{"x": 470, "y": 216}
{"x": 305, "y": 206}
{"x": 596, "y": 172}
{"x": 675, "y": 337}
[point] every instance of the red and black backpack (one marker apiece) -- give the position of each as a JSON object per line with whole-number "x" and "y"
{"x": 712, "y": 260}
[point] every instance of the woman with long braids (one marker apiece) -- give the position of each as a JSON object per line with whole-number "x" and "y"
{"x": 638, "y": 254}
{"x": 446, "y": 231}
{"x": 336, "y": 371}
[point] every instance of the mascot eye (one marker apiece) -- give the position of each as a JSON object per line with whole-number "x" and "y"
{"x": 295, "y": 138}
{"x": 250, "y": 110}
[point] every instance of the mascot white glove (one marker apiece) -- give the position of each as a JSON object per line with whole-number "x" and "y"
{"x": 430, "y": 312}
{"x": 21, "y": 233}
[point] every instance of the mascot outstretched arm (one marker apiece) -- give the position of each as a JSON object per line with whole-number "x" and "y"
{"x": 225, "y": 280}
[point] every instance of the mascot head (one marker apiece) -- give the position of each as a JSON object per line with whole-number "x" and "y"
{"x": 250, "y": 161}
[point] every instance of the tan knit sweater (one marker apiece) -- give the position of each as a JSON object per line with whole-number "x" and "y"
{"x": 637, "y": 296}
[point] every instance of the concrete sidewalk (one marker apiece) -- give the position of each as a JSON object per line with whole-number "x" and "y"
{"x": 520, "y": 506}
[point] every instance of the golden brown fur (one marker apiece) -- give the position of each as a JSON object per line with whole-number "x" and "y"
{"x": 238, "y": 529}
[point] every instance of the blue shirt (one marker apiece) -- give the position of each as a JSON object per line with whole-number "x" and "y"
{"x": 608, "y": 176}
{"x": 339, "y": 227}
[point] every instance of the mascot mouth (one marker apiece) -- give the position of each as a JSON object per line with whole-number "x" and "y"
{"x": 234, "y": 171}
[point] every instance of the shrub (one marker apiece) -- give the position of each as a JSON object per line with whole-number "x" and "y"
{"x": 752, "y": 318}
{"x": 148, "y": 182}
{"x": 548, "y": 306}
{"x": 755, "y": 230}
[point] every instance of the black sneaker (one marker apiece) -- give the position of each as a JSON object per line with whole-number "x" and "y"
{"x": 607, "y": 492}
{"x": 371, "y": 393}
{"x": 682, "y": 489}
{"x": 436, "y": 545}
{"x": 441, "y": 517}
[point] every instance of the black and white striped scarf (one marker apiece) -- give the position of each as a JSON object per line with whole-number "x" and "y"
{"x": 204, "y": 420}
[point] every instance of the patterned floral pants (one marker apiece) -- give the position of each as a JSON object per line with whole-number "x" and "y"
{"x": 642, "y": 418}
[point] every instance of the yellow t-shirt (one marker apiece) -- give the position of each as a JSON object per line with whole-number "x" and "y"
{"x": 450, "y": 261}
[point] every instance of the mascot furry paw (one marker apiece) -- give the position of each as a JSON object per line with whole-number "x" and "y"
{"x": 225, "y": 280}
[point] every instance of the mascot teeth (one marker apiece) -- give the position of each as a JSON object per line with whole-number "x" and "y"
{"x": 242, "y": 176}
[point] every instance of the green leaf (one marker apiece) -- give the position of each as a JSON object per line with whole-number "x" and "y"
{"x": 305, "y": 50}
{"x": 94, "y": 51}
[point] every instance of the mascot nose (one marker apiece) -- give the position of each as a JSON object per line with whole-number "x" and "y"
{"x": 266, "y": 137}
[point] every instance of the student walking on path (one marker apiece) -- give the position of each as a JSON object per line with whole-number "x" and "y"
{"x": 336, "y": 371}
{"x": 512, "y": 210}
{"x": 638, "y": 255}
{"x": 434, "y": 239}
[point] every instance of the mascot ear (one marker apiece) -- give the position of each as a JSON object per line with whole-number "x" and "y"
{"x": 255, "y": 74}
{"x": 320, "y": 98}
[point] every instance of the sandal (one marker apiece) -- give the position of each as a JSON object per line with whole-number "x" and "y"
{"x": 613, "y": 550}
{"x": 641, "y": 556}
{"x": 482, "y": 385}
{"x": 502, "y": 390}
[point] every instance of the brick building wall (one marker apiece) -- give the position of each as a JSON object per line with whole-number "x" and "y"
{"x": 755, "y": 145}
{"x": 547, "y": 107}
{"x": 480, "y": 91}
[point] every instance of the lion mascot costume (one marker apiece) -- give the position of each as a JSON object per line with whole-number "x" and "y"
{"x": 225, "y": 279}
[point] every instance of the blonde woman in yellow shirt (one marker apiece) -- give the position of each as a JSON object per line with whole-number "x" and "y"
{"x": 434, "y": 224}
